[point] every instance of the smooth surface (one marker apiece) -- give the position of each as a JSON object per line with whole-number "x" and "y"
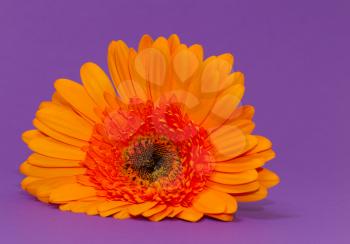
{"x": 295, "y": 55}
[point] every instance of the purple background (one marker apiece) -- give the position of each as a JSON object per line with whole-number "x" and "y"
{"x": 295, "y": 55}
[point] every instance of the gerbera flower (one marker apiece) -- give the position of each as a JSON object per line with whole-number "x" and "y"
{"x": 167, "y": 137}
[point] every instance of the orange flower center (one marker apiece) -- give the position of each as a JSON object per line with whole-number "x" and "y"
{"x": 142, "y": 152}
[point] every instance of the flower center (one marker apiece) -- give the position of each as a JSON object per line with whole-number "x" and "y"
{"x": 144, "y": 152}
{"x": 152, "y": 158}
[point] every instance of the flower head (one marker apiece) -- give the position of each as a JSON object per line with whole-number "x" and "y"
{"x": 167, "y": 137}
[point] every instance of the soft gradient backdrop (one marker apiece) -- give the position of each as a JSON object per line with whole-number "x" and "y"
{"x": 295, "y": 55}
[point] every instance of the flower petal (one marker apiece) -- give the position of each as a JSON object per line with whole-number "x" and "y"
{"x": 137, "y": 209}
{"x": 41, "y": 172}
{"x": 65, "y": 121}
{"x": 253, "y": 196}
{"x": 49, "y": 162}
{"x": 71, "y": 192}
{"x": 213, "y": 202}
{"x": 262, "y": 144}
{"x": 241, "y": 163}
{"x": 96, "y": 83}
{"x": 52, "y": 148}
{"x": 154, "y": 210}
{"x": 161, "y": 215}
{"x": 222, "y": 217}
{"x": 234, "y": 178}
{"x": 76, "y": 95}
{"x": 190, "y": 214}
{"x": 122, "y": 215}
{"x": 229, "y": 142}
{"x": 241, "y": 188}
{"x": 58, "y": 136}
{"x": 29, "y": 135}
{"x": 268, "y": 178}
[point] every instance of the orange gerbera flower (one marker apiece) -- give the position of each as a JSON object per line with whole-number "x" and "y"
{"x": 168, "y": 139}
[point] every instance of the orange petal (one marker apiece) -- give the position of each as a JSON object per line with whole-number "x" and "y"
{"x": 262, "y": 145}
{"x": 65, "y": 121}
{"x": 108, "y": 205}
{"x": 43, "y": 188}
{"x": 71, "y": 192}
{"x": 52, "y": 148}
{"x": 76, "y": 95}
{"x": 58, "y": 136}
{"x": 93, "y": 208}
{"x": 29, "y": 135}
{"x": 146, "y": 41}
{"x": 122, "y": 215}
{"x": 49, "y": 162}
{"x": 161, "y": 215}
{"x": 190, "y": 214}
{"x": 223, "y": 217}
{"x": 253, "y": 196}
{"x": 137, "y": 209}
{"x": 234, "y": 178}
{"x": 41, "y": 172}
{"x": 268, "y": 178}
{"x": 229, "y": 142}
{"x": 156, "y": 209}
{"x": 213, "y": 202}
{"x": 76, "y": 206}
{"x": 96, "y": 83}
{"x": 176, "y": 211}
{"x": 27, "y": 180}
{"x": 242, "y": 188}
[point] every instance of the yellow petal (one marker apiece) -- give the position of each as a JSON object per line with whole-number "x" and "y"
{"x": 65, "y": 121}
{"x": 234, "y": 178}
{"x": 137, "y": 209}
{"x": 268, "y": 178}
{"x": 41, "y": 172}
{"x": 49, "y": 162}
{"x": 76, "y": 95}
{"x": 58, "y": 136}
{"x": 190, "y": 214}
{"x": 253, "y": 196}
{"x": 52, "y": 148}
{"x": 223, "y": 217}
{"x": 96, "y": 83}
{"x": 242, "y": 188}
{"x": 71, "y": 192}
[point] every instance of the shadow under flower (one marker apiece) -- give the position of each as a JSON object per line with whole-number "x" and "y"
{"x": 262, "y": 210}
